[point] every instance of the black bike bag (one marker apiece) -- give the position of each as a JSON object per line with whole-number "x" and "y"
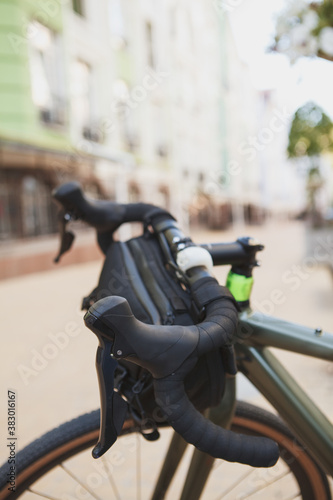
{"x": 136, "y": 270}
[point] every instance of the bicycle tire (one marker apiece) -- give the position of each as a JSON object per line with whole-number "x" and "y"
{"x": 70, "y": 439}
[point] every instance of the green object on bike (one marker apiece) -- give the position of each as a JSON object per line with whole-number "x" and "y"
{"x": 240, "y": 286}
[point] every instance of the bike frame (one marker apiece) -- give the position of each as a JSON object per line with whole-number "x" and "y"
{"x": 256, "y": 333}
{"x": 276, "y": 384}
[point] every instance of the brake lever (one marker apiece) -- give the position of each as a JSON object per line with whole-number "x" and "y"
{"x": 66, "y": 237}
{"x": 113, "y": 406}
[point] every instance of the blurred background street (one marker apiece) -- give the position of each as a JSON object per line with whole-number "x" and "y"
{"x": 138, "y": 100}
{"x": 220, "y": 112}
{"x": 50, "y": 356}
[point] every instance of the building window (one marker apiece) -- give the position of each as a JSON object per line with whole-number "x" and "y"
{"x": 184, "y": 33}
{"x": 26, "y": 207}
{"x": 150, "y": 44}
{"x": 6, "y": 212}
{"x": 117, "y": 23}
{"x": 127, "y": 127}
{"x": 125, "y": 115}
{"x": 36, "y": 214}
{"x": 201, "y": 178}
{"x": 134, "y": 193}
{"x": 163, "y": 197}
{"x": 78, "y": 7}
{"x": 160, "y": 133}
{"x": 172, "y": 22}
{"x": 47, "y": 74}
{"x": 83, "y": 101}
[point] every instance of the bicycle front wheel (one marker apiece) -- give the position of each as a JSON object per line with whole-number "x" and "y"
{"x": 59, "y": 465}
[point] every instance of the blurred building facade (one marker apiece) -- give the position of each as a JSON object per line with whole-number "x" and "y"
{"x": 123, "y": 96}
{"x": 257, "y": 179}
{"x": 139, "y": 101}
{"x": 31, "y": 119}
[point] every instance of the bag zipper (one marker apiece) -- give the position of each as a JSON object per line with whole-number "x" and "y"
{"x": 169, "y": 318}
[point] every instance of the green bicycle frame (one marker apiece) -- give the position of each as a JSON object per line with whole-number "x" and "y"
{"x": 255, "y": 334}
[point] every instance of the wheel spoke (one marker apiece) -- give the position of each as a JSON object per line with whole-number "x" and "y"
{"x": 138, "y": 466}
{"x": 235, "y": 484}
{"x": 269, "y": 483}
{"x": 298, "y": 494}
{"x": 43, "y": 495}
{"x": 74, "y": 471}
{"x": 73, "y": 476}
{"x": 111, "y": 481}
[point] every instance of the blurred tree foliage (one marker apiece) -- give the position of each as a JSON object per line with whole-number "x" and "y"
{"x": 305, "y": 29}
{"x": 311, "y": 134}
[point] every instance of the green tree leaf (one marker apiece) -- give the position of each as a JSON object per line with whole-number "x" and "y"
{"x": 311, "y": 132}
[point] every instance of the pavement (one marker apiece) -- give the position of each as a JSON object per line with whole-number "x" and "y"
{"x": 48, "y": 356}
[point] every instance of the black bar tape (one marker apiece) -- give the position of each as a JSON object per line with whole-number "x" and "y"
{"x": 102, "y": 214}
{"x": 256, "y": 451}
{"x": 207, "y": 290}
{"x": 156, "y": 215}
{"x": 143, "y": 212}
{"x": 218, "y": 328}
{"x": 170, "y": 352}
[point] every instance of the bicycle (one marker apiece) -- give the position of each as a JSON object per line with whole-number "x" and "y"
{"x": 62, "y": 459}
